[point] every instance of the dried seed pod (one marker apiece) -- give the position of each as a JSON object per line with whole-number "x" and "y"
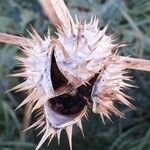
{"x": 66, "y": 75}
{"x": 55, "y": 69}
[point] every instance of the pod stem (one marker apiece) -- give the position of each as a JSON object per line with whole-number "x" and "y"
{"x": 57, "y": 12}
{"x": 14, "y": 40}
{"x": 135, "y": 63}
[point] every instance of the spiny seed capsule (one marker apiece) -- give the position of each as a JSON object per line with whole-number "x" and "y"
{"x": 67, "y": 75}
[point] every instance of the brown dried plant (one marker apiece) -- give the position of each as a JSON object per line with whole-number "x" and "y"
{"x": 68, "y": 75}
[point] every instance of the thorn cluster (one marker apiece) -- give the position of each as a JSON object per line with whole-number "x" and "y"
{"x": 81, "y": 52}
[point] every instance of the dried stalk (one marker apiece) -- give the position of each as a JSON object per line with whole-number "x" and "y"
{"x": 135, "y": 63}
{"x": 56, "y": 11}
{"x": 15, "y": 40}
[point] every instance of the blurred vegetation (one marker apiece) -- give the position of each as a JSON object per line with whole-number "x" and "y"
{"x": 130, "y": 20}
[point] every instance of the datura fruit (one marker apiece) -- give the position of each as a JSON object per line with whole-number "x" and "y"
{"x": 68, "y": 75}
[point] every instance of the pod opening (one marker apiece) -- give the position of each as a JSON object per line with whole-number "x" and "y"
{"x": 68, "y": 104}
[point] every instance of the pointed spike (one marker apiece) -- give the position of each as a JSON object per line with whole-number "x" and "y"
{"x": 45, "y": 37}
{"x": 94, "y": 46}
{"x": 33, "y": 37}
{"x": 69, "y": 134}
{"x": 66, "y": 54}
{"x": 38, "y": 114}
{"x": 72, "y": 28}
{"x": 125, "y": 95}
{"x": 106, "y": 27}
{"x": 27, "y": 51}
{"x": 85, "y": 42}
{"x": 62, "y": 28}
{"x": 17, "y": 87}
{"x": 88, "y": 83}
{"x": 39, "y": 126}
{"x": 94, "y": 20}
{"x": 84, "y": 26}
{"x": 34, "y": 95}
{"x": 47, "y": 133}
{"x": 48, "y": 32}
{"x": 57, "y": 33}
{"x": 51, "y": 138}
{"x": 21, "y": 74}
{"x": 76, "y": 19}
{"x": 39, "y": 103}
{"x": 117, "y": 112}
{"x": 43, "y": 130}
{"x": 91, "y": 20}
{"x": 23, "y": 103}
{"x": 129, "y": 85}
{"x": 102, "y": 117}
{"x": 86, "y": 116}
{"x": 21, "y": 59}
{"x": 79, "y": 123}
{"x": 125, "y": 101}
{"x": 28, "y": 87}
{"x": 78, "y": 37}
{"x": 60, "y": 32}
{"x": 33, "y": 125}
{"x": 102, "y": 32}
{"x": 108, "y": 116}
{"x": 58, "y": 136}
{"x": 36, "y": 35}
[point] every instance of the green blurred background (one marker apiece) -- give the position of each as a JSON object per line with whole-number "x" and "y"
{"x": 130, "y": 20}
